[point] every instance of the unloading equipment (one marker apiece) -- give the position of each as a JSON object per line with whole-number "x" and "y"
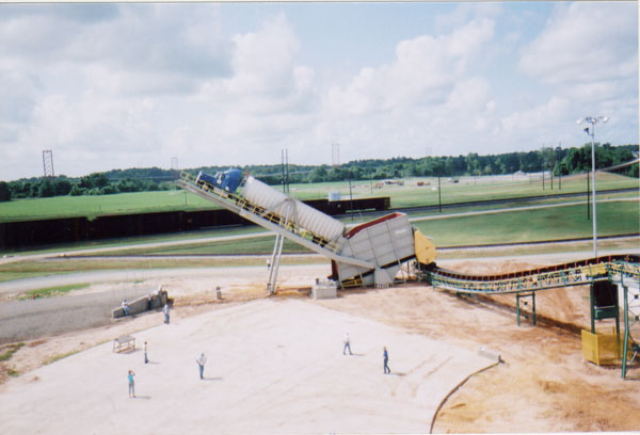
{"x": 368, "y": 254}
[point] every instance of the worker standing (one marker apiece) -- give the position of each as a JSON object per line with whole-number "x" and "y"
{"x": 165, "y": 311}
{"x": 201, "y": 362}
{"x": 347, "y": 344}
{"x": 132, "y": 385}
{"x": 386, "y": 361}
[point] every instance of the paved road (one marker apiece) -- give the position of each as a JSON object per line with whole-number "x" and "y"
{"x": 11, "y": 288}
{"x": 31, "y": 319}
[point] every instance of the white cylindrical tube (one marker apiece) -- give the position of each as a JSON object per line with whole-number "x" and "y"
{"x": 307, "y": 217}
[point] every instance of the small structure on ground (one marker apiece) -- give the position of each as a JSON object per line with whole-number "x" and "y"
{"x": 324, "y": 290}
{"x": 152, "y": 301}
{"x": 126, "y": 343}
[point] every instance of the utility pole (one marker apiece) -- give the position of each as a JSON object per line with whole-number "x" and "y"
{"x": 588, "y": 199}
{"x": 47, "y": 163}
{"x": 439, "y": 197}
{"x": 543, "y": 167}
{"x": 559, "y": 166}
{"x": 593, "y": 120}
{"x": 285, "y": 170}
{"x": 351, "y": 200}
{"x": 335, "y": 155}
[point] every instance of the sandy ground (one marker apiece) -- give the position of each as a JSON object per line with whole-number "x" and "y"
{"x": 276, "y": 365}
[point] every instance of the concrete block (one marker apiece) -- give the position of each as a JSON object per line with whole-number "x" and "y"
{"x": 325, "y": 290}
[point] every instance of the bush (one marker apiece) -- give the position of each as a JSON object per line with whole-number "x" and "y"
{"x": 76, "y": 190}
{"x": 5, "y": 192}
{"x": 109, "y": 190}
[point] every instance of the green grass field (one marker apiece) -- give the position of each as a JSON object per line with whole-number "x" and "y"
{"x": 49, "y": 292}
{"x": 614, "y": 218}
{"x": 467, "y": 189}
{"x": 562, "y": 222}
{"x": 566, "y": 222}
{"x": 409, "y": 195}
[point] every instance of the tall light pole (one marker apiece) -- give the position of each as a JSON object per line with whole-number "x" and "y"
{"x": 593, "y": 120}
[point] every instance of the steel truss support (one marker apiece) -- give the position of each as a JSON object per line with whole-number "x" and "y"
{"x": 276, "y": 256}
{"x": 599, "y": 312}
{"x": 531, "y": 295}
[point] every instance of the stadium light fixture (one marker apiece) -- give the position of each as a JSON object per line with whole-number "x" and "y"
{"x": 590, "y": 130}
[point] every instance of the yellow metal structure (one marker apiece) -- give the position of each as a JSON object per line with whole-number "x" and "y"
{"x": 601, "y": 349}
{"x": 425, "y": 249}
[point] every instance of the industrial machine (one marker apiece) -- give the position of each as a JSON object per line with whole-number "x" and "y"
{"x": 370, "y": 254}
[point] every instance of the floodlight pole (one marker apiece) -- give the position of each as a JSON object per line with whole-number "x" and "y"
{"x": 593, "y": 120}
{"x": 593, "y": 190}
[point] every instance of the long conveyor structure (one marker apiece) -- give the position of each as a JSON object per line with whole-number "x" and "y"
{"x": 617, "y": 270}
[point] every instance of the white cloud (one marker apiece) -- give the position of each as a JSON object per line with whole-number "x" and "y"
{"x": 428, "y": 96}
{"x": 122, "y": 85}
{"x": 424, "y": 72}
{"x": 585, "y": 42}
{"x": 588, "y": 56}
{"x": 267, "y": 102}
{"x": 263, "y": 61}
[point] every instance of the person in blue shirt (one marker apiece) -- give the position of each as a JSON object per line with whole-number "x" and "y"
{"x": 386, "y": 361}
{"x": 132, "y": 385}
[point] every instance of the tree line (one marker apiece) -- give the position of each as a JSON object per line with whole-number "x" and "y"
{"x": 559, "y": 161}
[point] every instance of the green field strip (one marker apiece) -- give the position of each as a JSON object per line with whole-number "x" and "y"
{"x": 409, "y": 195}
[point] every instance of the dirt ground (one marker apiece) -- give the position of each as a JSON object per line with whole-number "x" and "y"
{"x": 543, "y": 385}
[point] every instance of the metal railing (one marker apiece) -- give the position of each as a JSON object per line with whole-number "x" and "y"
{"x": 241, "y": 204}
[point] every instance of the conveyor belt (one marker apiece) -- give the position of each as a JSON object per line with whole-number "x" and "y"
{"x": 623, "y": 270}
{"x": 563, "y": 275}
{"x": 267, "y": 219}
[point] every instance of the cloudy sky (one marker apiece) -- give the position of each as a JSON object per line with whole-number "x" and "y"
{"x": 109, "y": 86}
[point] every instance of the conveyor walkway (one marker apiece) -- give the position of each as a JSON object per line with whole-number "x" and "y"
{"x": 545, "y": 278}
{"x": 622, "y": 270}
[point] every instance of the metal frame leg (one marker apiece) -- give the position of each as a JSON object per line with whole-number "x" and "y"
{"x": 533, "y": 307}
{"x": 275, "y": 257}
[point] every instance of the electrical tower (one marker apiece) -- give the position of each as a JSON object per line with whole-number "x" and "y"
{"x": 47, "y": 163}
{"x": 285, "y": 171}
{"x": 335, "y": 154}
{"x": 174, "y": 163}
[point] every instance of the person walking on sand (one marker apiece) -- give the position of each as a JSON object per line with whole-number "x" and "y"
{"x": 165, "y": 311}
{"x": 201, "y": 362}
{"x": 132, "y": 385}
{"x": 146, "y": 358}
{"x": 386, "y": 361}
{"x": 347, "y": 344}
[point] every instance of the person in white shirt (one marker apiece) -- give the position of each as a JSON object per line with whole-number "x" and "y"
{"x": 347, "y": 344}
{"x": 165, "y": 310}
{"x": 201, "y": 362}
